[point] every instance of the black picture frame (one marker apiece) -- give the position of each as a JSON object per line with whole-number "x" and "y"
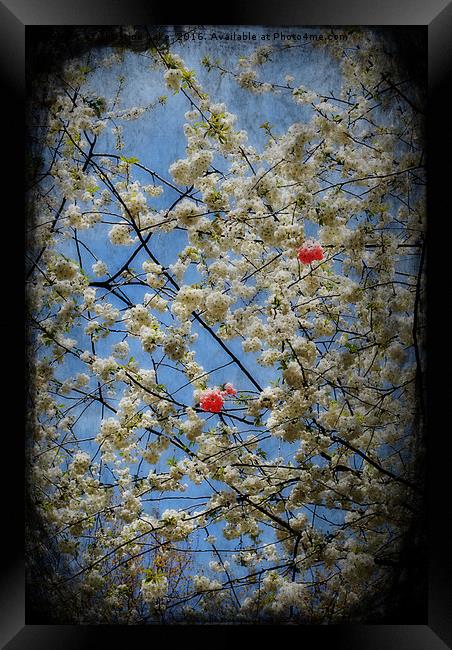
{"x": 436, "y": 632}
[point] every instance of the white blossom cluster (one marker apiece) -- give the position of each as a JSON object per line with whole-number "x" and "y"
{"x": 288, "y": 498}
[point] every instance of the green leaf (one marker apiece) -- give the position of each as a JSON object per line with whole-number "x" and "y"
{"x": 131, "y": 160}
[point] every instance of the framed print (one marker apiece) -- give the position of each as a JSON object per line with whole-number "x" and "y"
{"x": 232, "y": 252}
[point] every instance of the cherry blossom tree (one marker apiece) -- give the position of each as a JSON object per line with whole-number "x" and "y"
{"x": 235, "y": 434}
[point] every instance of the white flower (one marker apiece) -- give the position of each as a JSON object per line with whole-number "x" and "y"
{"x": 65, "y": 269}
{"x": 121, "y": 350}
{"x": 99, "y": 268}
{"x": 82, "y": 380}
{"x": 154, "y": 589}
{"x": 173, "y": 79}
{"x": 80, "y": 463}
{"x": 217, "y": 304}
{"x": 119, "y": 235}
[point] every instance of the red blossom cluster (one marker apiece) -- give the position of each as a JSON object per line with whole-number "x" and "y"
{"x": 229, "y": 389}
{"x": 310, "y": 251}
{"x": 212, "y": 399}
